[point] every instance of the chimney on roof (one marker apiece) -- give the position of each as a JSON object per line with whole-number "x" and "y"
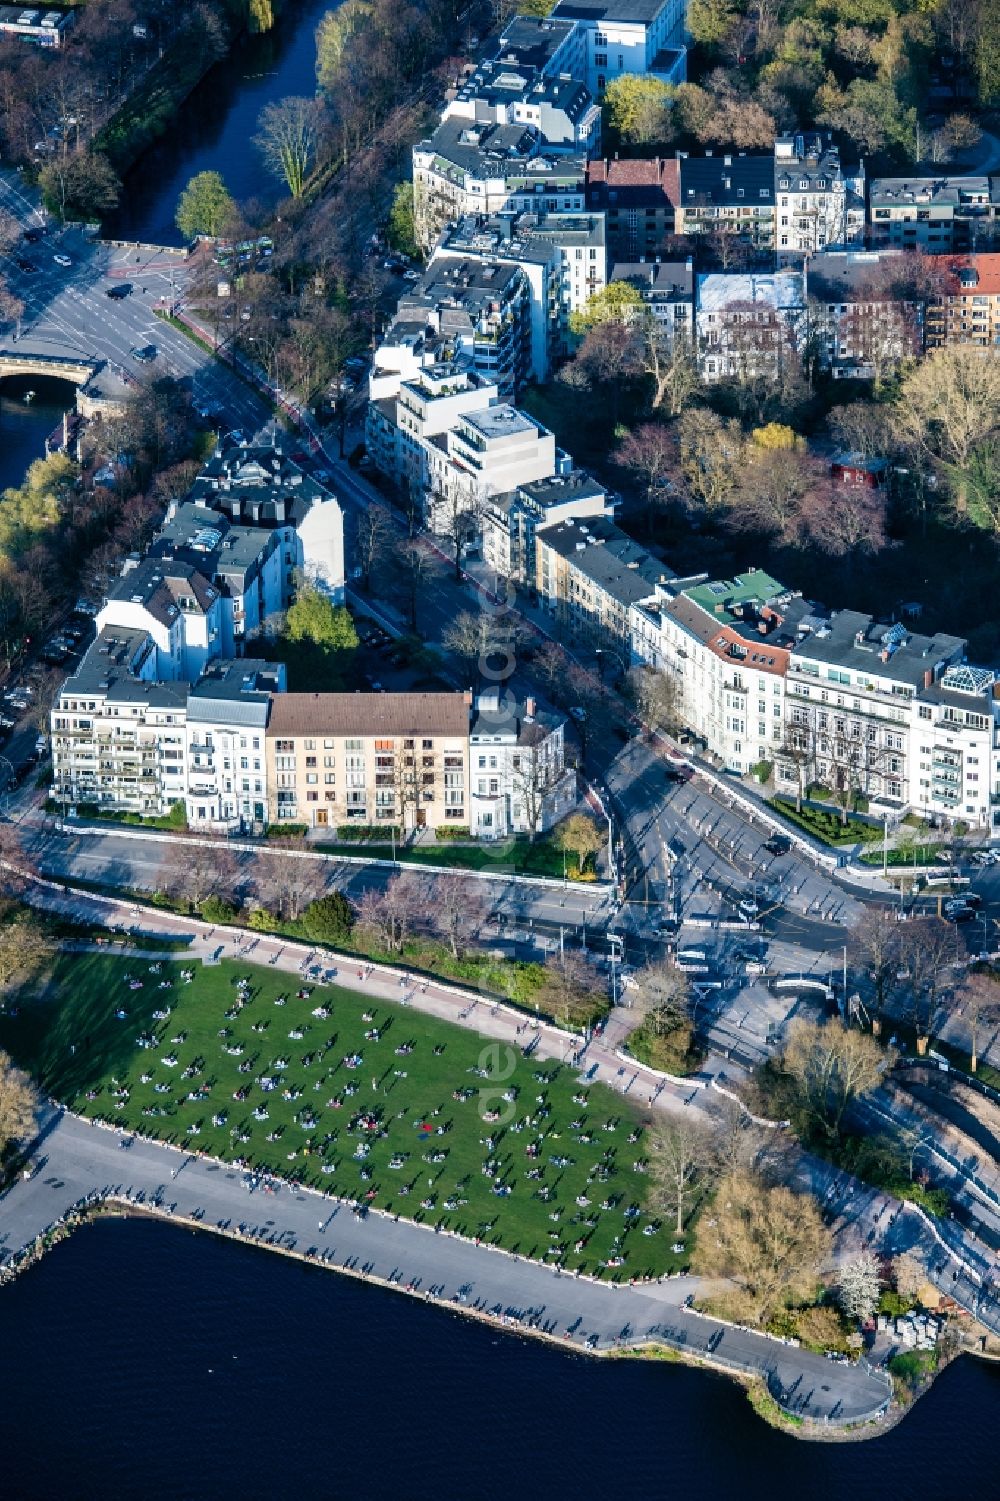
{"x": 467, "y": 698}
{"x": 529, "y": 708}
{"x": 928, "y": 677}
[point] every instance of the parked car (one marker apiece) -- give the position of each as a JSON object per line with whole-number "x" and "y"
{"x": 958, "y": 914}
{"x": 122, "y": 290}
{"x": 62, "y": 260}
{"x": 23, "y": 264}
{"x": 144, "y": 353}
{"x": 778, "y": 844}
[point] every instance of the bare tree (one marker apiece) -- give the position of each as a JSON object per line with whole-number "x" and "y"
{"x": 656, "y": 694}
{"x": 193, "y": 869}
{"x": 475, "y": 636}
{"x": 572, "y": 989}
{"x": 533, "y": 776}
{"x": 980, "y": 1005}
{"x": 373, "y": 536}
{"x": 873, "y": 942}
{"x": 19, "y": 1102}
{"x": 663, "y": 995}
{"x": 23, "y": 947}
{"x": 929, "y": 949}
{"x": 287, "y": 140}
{"x": 387, "y": 916}
{"x": 289, "y": 876}
{"x": 457, "y": 908}
{"x": 681, "y": 1158}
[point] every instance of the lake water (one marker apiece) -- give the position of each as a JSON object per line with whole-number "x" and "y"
{"x": 140, "y": 1360}
{"x": 214, "y": 128}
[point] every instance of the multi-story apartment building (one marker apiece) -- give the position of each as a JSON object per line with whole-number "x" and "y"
{"x": 863, "y": 324}
{"x": 726, "y": 645}
{"x": 466, "y": 308}
{"x": 730, "y": 199}
{"x": 749, "y": 324}
{"x": 967, "y": 309}
{"x": 518, "y": 780}
{"x": 478, "y": 168}
{"x": 850, "y": 690}
{"x": 629, "y": 36}
{"x": 562, "y": 258}
{"x": 244, "y": 563}
{"x": 259, "y": 485}
{"x": 176, "y": 606}
{"x": 511, "y": 519}
{"x": 955, "y": 747}
{"x": 117, "y": 733}
{"x": 588, "y": 574}
{"x": 486, "y": 453}
{"x": 817, "y": 205}
{"x": 934, "y": 214}
{"x": 560, "y": 108}
{"x": 424, "y": 408}
{"x": 227, "y": 714}
{"x": 132, "y": 743}
{"x": 543, "y": 44}
{"x": 638, "y": 198}
{"x": 373, "y": 758}
{"x": 667, "y": 288}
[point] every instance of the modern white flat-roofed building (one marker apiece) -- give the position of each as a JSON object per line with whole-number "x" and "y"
{"x": 629, "y": 36}
{"x": 227, "y": 714}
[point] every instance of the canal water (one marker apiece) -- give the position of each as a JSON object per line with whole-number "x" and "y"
{"x": 25, "y": 425}
{"x": 214, "y": 128}
{"x": 140, "y": 1360}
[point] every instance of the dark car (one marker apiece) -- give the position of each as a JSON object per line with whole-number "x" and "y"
{"x": 33, "y": 236}
{"x": 972, "y": 899}
{"x": 144, "y": 354}
{"x": 959, "y": 914}
{"x": 123, "y": 289}
{"x": 23, "y": 264}
{"x": 778, "y": 844}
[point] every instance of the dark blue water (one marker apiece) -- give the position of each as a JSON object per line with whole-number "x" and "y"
{"x": 214, "y": 128}
{"x": 24, "y": 427}
{"x": 144, "y": 1361}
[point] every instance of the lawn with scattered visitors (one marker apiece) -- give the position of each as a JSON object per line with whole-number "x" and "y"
{"x": 371, "y": 1100}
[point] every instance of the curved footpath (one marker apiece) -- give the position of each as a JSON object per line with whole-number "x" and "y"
{"x": 82, "y": 1161}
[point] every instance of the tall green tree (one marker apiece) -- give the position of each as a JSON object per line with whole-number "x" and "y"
{"x": 315, "y": 619}
{"x": 333, "y": 40}
{"x": 205, "y": 206}
{"x": 402, "y": 234}
{"x": 638, "y": 108}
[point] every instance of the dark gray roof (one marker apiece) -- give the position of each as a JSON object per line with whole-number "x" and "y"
{"x": 608, "y": 556}
{"x": 532, "y": 41}
{"x": 658, "y": 279}
{"x": 166, "y": 588}
{"x": 108, "y": 670}
{"x": 635, "y": 12}
{"x": 726, "y": 179}
{"x": 849, "y": 639}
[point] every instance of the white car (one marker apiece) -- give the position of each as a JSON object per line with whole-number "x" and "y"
{"x": 62, "y": 260}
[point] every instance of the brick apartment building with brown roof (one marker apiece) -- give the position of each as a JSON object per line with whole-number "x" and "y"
{"x": 639, "y": 197}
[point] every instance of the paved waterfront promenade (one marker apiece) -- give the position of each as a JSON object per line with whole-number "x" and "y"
{"x": 81, "y": 1159}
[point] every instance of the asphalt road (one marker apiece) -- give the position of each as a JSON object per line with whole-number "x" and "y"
{"x": 67, "y": 312}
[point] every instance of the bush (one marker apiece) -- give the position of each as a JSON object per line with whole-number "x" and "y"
{"x": 671, "y": 1052}
{"x": 353, "y": 832}
{"x": 329, "y": 919}
{"x": 821, "y": 1328}
{"x": 895, "y": 1305}
{"x": 261, "y": 920}
{"x": 762, "y": 771}
{"x": 288, "y": 831}
{"x": 444, "y": 832}
{"x": 910, "y": 1370}
{"x": 216, "y": 909}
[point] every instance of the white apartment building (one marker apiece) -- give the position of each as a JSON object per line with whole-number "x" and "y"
{"x": 667, "y": 289}
{"x": 486, "y": 453}
{"x": 173, "y": 604}
{"x": 850, "y": 692}
{"x": 817, "y": 206}
{"x": 118, "y": 734}
{"x": 629, "y": 36}
{"x": 245, "y": 563}
{"x": 227, "y": 715}
{"x": 260, "y": 486}
{"x": 518, "y": 780}
{"x": 511, "y": 519}
{"x": 478, "y": 168}
{"x": 725, "y": 643}
{"x": 558, "y": 107}
{"x": 955, "y": 747}
{"x": 401, "y": 429}
{"x": 749, "y": 323}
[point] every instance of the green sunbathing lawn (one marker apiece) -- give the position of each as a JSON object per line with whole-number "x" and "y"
{"x": 390, "y": 1125}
